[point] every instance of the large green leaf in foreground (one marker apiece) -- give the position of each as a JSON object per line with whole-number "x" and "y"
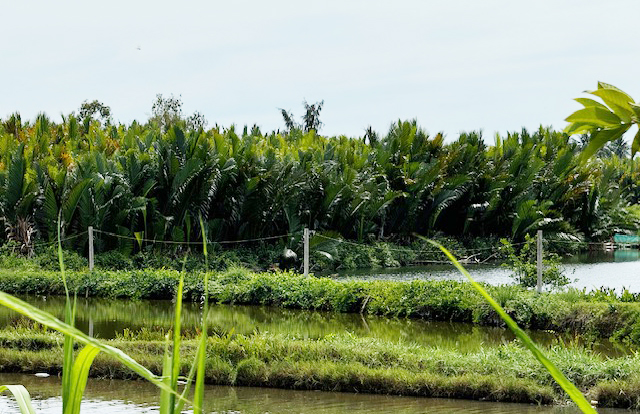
{"x": 22, "y": 397}
{"x": 557, "y": 375}
{"x": 52, "y": 322}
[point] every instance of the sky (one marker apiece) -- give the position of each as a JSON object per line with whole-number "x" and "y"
{"x": 454, "y": 65}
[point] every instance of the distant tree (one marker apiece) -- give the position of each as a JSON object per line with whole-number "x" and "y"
{"x": 583, "y": 141}
{"x": 196, "y": 121}
{"x": 166, "y": 112}
{"x": 255, "y": 130}
{"x": 371, "y": 136}
{"x": 619, "y": 147}
{"x": 88, "y": 110}
{"x": 13, "y": 125}
{"x": 288, "y": 120}
{"x": 310, "y": 119}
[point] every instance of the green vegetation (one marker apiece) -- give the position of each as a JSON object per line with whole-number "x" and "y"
{"x": 401, "y": 184}
{"x": 142, "y": 184}
{"x": 606, "y": 123}
{"x": 523, "y": 264}
{"x": 75, "y": 367}
{"x": 347, "y": 363}
{"x": 596, "y": 314}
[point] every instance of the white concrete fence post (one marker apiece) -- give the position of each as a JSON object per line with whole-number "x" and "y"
{"x": 90, "y": 247}
{"x": 306, "y": 252}
{"x": 539, "y": 261}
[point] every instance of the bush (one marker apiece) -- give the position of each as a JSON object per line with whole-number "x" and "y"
{"x": 524, "y": 265}
{"x": 113, "y": 260}
{"x": 47, "y": 259}
{"x": 251, "y": 372}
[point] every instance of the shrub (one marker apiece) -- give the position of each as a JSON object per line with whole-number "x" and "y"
{"x": 113, "y": 260}
{"x": 523, "y": 264}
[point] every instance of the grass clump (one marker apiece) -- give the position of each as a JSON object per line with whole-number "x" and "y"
{"x": 347, "y": 363}
{"x": 599, "y": 314}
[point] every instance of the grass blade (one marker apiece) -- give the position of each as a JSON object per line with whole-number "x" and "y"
{"x": 173, "y": 363}
{"x": 198, "y": 392}
{"x": 69, "y": 319}
{"x": 52, "y": 322}
{"x": 78, "y": 380}
{"x": 189, "y": 381}
{"x": 557, "y": 375}
{"x": 166, "y": 402}
{"x": 22, "y": 397}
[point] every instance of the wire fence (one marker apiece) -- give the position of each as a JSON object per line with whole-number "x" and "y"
{"x": 189, "y": 243}
{"x": 62, "y": 240}
{"x": 406, "y": 249}
{"x": 410, "y": 254}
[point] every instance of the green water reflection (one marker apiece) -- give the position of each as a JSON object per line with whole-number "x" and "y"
{"x": 104, "y": 318}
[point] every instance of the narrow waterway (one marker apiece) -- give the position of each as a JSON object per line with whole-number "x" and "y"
{"x": 115, "y": 397}
{"x": 617, "y": 270}
{"x": 107, "y": 318}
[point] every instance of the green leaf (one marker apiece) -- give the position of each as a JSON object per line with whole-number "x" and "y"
{"x": 624, "y": 114}
{"x": 166, "y": 402}
{"x": 635, "y": 145}
{"x": 22, "y": 397}
{"x": 579, "y": 127}
{"x": 79, "y": 375}
{"x": 595, "y": 115}
{"x": 72, "y": 199}
{"x": 603, "y": 85}
{"x": 600, "y": 138}
{"x": 614, "y": 98}
{"x": 139, "y": 235}
{"x": 587, "y": 103}
{"x": 52, "y": 322}
{"x": 198, "y": 392}
{"x": 50, "y": 209}
{"x": 557, "y": 375}
{"x": 636, "y": 110}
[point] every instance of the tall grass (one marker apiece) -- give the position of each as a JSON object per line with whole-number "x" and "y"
{"x": 76, "y": 370}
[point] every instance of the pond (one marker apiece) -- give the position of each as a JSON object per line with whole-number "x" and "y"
{"x": 618, "y": 269}
{"x": 116, "y": 397}
{"x": 105, "y": 318}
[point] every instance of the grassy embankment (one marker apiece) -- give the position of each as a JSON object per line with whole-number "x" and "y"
{"x": 344, "y": 363}
{"x": 592, "y": 315}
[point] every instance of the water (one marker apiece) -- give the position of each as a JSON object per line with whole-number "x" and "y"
{"x": 117, "y": 397}
{"x": 619, "y": 269}
{"x": 106, "y": 318}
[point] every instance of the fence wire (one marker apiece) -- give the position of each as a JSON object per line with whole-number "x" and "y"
{"x": 53, "y": 243}
{"x": 470, "y": 254}
{"x": 173, "y": 242}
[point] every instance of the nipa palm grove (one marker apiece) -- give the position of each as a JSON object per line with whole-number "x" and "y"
{"x": 154, "y": 180}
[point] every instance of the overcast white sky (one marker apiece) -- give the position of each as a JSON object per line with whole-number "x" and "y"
{"x": 455, "y": 65}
